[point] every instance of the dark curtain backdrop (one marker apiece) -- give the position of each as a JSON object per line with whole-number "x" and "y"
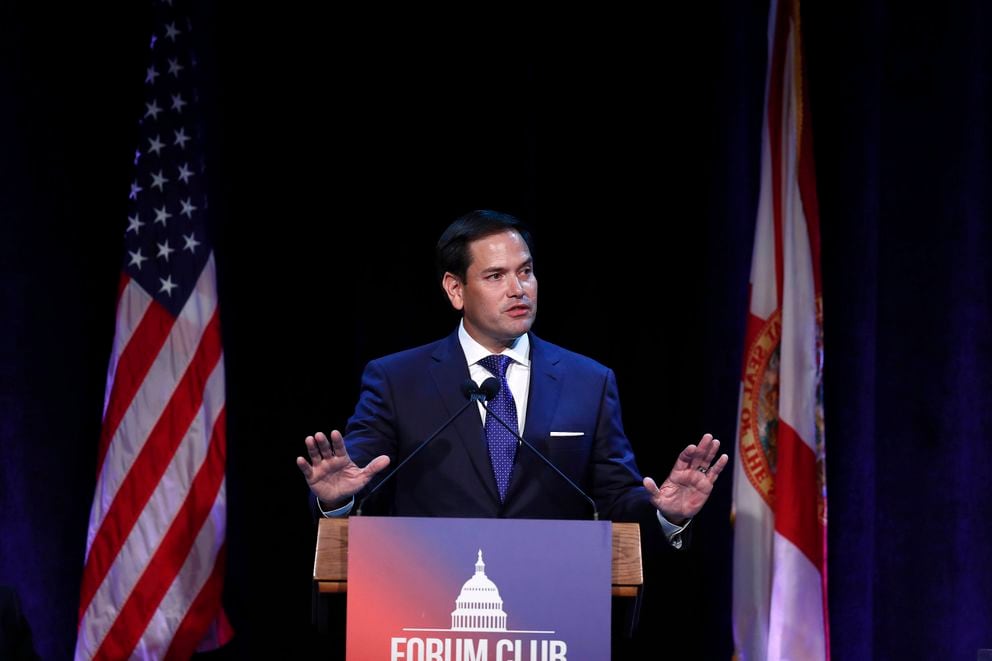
{"x": 342, "y": 144}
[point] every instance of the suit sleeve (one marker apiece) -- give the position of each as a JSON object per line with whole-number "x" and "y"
{"x": 372, "y": 430}
{"x": 617, "y": 486}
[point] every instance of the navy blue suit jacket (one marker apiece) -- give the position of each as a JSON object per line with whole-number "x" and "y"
{"x": 406, "y": 396}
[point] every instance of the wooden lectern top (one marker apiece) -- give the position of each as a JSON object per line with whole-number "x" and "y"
{"x": 330, "y": 566}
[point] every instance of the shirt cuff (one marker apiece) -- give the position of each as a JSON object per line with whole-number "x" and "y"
{"x": 342, "y": 511}
{"x": 672, "y": 531}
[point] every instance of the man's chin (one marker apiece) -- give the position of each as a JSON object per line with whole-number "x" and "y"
{"x": 521, "y": 328}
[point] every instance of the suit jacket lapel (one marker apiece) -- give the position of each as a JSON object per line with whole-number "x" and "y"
{"x": 449, "y": 371}
{"x": 546, "y": 379}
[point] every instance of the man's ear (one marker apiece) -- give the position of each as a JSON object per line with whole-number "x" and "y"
{"x": 452, "y": 286}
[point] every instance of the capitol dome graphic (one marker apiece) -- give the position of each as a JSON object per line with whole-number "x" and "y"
{"x": 479, "y": 606}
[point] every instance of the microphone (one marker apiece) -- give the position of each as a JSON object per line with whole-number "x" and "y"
{"x": 488, "y": 390}
{"x": 473, "y": 393}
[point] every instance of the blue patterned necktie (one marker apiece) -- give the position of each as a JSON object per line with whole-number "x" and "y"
{"x": 502, "y": 443}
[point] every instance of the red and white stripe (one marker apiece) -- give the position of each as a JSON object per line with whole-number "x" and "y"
{"x": 780, "y": 578}
{"x": 155, "y": 549}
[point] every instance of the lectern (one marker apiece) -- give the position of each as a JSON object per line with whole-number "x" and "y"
{"x": 541, "y": 586}
{"x": 330, "y": 566}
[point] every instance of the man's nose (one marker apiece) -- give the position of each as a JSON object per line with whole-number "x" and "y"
{"x": 514, "y": 288}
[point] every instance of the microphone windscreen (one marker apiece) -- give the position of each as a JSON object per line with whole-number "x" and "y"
{"x": 469, "y": 388}
{"x": 490, "y": 387}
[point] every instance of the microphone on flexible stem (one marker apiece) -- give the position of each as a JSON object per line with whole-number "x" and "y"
{"x": 473, "y": 393}
{"x": 488, "y": 389}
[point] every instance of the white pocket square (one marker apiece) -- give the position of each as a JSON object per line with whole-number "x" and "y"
{"x": 568, "y": 433}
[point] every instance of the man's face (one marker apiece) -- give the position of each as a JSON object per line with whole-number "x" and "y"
{"x": 499, "y": 294}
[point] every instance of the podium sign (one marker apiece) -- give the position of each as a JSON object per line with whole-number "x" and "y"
{"x": 436, "y": 589}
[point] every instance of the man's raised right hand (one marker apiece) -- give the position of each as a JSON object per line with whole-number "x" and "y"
{"x": 331, "y": 474}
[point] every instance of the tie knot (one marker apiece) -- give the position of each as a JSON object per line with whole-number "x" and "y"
{"x": 497, "y": 364}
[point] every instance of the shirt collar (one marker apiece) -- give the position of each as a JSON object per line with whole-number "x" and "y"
{"x": 519, "y": 352}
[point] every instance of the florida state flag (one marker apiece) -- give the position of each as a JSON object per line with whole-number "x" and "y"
{"x": 780, "y": 496}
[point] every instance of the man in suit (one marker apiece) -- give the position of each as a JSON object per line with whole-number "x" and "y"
{"x": 564, "y": 404}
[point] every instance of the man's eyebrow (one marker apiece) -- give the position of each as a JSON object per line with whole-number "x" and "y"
{"x": 494, "y": 269}
{"x": 502, "y": 269}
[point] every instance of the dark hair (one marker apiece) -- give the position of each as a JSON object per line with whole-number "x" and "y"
{"x": 452, "y": 253}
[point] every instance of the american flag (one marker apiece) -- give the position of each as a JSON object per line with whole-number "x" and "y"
{"x": 155, "y": 551}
